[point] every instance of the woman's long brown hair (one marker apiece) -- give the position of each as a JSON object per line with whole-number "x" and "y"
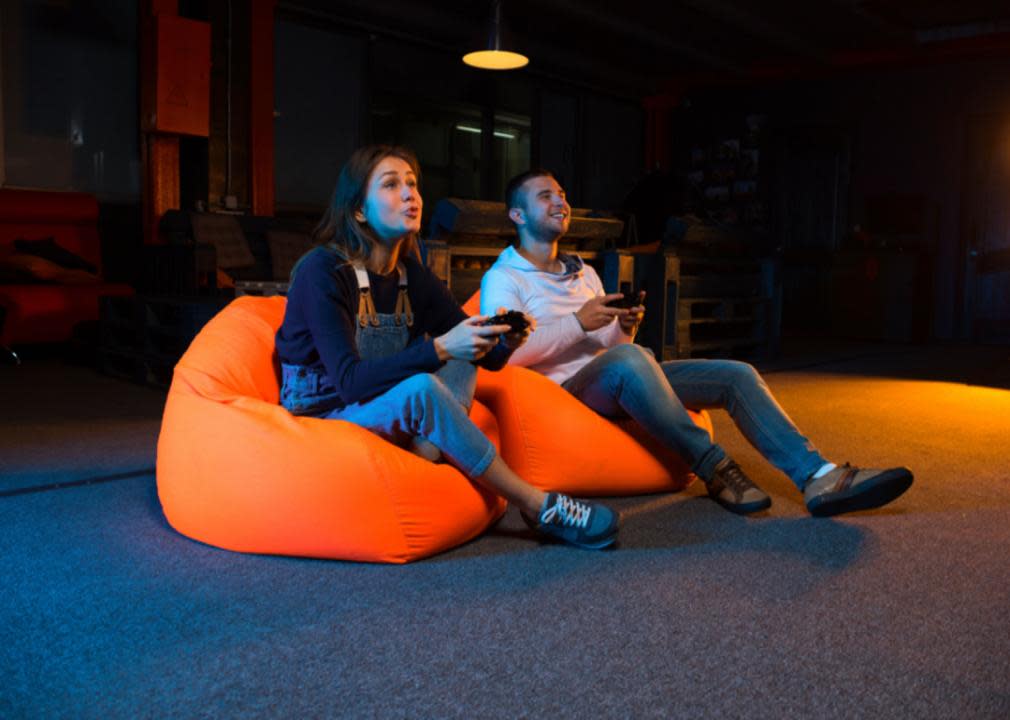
{"x": 339, "y": 229}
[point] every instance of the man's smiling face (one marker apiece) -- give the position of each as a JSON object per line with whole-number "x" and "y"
{"x": 545, "y": 212}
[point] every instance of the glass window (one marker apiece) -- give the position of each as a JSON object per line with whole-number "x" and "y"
{"x": 511, "y": 152}
{"x": 448, "y": 140}
{"x": 318, "y": 113}
{"x": 69, "y": 74}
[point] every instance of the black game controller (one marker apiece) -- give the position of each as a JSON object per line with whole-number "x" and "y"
{"x": 631, "y": 299}
{"x": 514, "y": 318}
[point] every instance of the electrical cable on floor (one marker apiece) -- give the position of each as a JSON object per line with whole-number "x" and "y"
{"x": 77, "y": 483}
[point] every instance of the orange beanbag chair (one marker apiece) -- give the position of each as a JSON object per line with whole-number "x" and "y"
{"x": 555, "y": 442}
{"x": 238, "y": 471}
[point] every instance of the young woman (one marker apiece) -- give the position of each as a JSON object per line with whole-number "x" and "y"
{"x": 372, "y": 337}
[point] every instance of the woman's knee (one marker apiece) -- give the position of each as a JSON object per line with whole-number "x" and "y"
{"x": 460, "y": 378}
{"x": 426, "y": 402}
{"x": 425, "y": 386}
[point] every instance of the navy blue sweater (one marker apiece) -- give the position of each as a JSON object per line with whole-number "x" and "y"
{"x": 322, "y": 316}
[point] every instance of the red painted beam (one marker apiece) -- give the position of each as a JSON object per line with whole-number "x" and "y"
{"x": 158, "y": 7}
{"x": 657, "y": 130}
{"x": 261, "y": 107}
{"x": 159, "y": 155}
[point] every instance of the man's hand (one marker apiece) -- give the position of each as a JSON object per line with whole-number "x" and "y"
{"x": 514, "y": 340}
{"x": 469, "y": 340}
{"x": 631, "y": 318}
{"x": 595, "y": 313}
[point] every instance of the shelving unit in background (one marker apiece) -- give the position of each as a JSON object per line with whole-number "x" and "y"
{"x": 720, "y": 308}
{"x": 615, "y": 267}
{"x": 467, "y": 236}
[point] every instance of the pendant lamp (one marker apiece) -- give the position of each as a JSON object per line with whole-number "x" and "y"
{"x": 494, "y": 56}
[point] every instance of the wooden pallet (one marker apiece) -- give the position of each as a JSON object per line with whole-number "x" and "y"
{"x": 719, "y": 307}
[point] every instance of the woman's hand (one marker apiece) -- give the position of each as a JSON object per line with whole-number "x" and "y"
{"x": 514, "y": 340}
{"x": 469, "y": 340}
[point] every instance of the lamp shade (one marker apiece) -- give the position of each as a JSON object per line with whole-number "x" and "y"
{"x": 493, "y": 56}
{"x": 495, "y": 59}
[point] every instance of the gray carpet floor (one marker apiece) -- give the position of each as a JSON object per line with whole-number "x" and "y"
{"x": 903, "y": 612}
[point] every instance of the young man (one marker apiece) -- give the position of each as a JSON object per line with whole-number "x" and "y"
{"x": 585, "y": 345}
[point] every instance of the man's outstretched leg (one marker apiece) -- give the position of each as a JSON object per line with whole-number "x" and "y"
{"x": 740, "y": 390}
{"x": 627, "y": 381}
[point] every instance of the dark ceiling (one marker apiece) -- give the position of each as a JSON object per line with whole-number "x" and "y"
{"x": 639, "y": 45}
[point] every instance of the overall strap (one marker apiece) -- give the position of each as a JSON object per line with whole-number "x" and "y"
{"x": 403, "y": 308}
{"x": 366, "y": 307}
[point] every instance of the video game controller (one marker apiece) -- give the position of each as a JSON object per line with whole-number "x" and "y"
{"x": 630, "y": 300}
{"x": 514, "y": 318}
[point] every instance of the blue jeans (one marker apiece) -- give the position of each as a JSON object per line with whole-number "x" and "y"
{"x": 627, "y": 381}
{"x": 434, "y": 407}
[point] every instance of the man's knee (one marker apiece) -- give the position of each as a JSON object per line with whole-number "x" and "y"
{"x": 631, "y": 355}
{"x": 739, "y": 373}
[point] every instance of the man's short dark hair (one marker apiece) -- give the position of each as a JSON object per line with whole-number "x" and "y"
{"x": 512, "y": 189}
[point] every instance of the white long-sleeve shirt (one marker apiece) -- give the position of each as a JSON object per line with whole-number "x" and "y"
{"x": 559, "y": 347}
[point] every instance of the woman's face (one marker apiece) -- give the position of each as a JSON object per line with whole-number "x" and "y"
{"x": 392, "y": 207}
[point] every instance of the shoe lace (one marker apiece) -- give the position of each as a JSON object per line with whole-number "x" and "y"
{"x": 732, "y": 476}
{"x": 566, "y": 511}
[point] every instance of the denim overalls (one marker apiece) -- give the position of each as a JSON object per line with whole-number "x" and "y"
{"x": 432, "y": 406}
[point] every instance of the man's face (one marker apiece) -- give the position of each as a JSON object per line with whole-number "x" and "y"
{"x": 543, "y": 211}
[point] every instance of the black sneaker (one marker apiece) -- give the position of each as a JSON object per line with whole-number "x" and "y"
{"x": 848, "y": 489}
{"x": 576, "y": 522}
{"x": 732, "y": 489}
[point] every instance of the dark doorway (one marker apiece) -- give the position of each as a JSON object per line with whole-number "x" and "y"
{"x": 985, "y": 231}
{"x": 808, "y": 173}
